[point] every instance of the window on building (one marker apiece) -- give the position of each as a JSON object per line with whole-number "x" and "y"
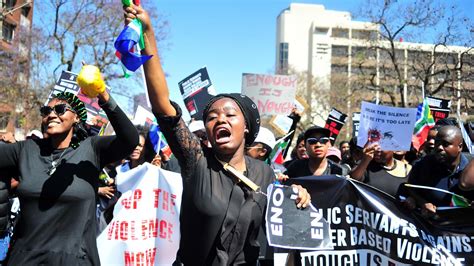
{"x": 364, "y": 35}
{"x": 340, "y": 33}
{"x": 8, "y": 31}
{"x": 283, "y": 64}
{"x": 321, "y": 31}
{"x": 7, "y": 4}
{"x": 25, "y": 11}
{"x": 342, "y": 51}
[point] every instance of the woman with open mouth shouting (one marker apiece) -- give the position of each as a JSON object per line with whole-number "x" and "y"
{"x": 58, "y": 182}
{"x": 222, "y": 205}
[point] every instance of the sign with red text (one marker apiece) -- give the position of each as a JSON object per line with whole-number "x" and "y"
{"x": 197, "y": 90}
{"x": 439, "y": 108}
{"x": 334, "y": 123}
{"x": 273, "y": 94}
{"x": 145, "y": 228}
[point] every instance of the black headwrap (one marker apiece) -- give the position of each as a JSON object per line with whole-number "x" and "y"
{"x": 248, "y": 108}
{"x": 80, "y": 132}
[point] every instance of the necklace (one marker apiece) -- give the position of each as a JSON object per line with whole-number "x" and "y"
{"x": 55, "y": 163}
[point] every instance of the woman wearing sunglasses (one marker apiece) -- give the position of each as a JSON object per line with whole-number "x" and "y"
{"x": 59, "y": 181}
{"x": 317, "y": 143}
{"x": 221, "y": 212}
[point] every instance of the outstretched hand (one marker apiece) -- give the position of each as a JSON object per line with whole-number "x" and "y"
{"x": 303, "y": 199}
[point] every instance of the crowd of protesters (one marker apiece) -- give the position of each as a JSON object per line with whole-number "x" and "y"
{"x": 65, "y": 179}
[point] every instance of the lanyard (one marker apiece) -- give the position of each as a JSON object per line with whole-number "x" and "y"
{"x": 241, "y": 177}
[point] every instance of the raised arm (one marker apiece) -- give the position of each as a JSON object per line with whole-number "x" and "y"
{"x": 114, "y": 148}
{"x": 185, "y": 146}
{"x": 155, "y": 77}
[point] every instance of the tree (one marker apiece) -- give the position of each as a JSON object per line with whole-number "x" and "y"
{"x": 440, "y": 69}
{"x": 83, "y": 30}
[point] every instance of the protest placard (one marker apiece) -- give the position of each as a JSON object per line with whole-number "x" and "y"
{"x": 370, "y": 227}
{"x": 145, "y": 228}
{"x": 196, "y": 90}
{"x": 355, "y": 124}
{"x": 390, "y": 127}
{"x": 334, "y": 123}
{"x": 96, "y": 117}
{"x": 273, "y": 94}
{"x": 439, "y": 108}
{"x": 281, "y": 123}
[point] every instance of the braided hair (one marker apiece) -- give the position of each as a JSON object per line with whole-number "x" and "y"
{"x": 79, "y": 129}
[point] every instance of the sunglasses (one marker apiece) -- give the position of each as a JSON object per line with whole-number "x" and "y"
{"x": 59, "y": 109}
{"x": 313, "y": 141}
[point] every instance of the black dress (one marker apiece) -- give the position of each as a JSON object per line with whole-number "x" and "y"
{"x": 57, "y": 225}
{"x": 220, "y": 218}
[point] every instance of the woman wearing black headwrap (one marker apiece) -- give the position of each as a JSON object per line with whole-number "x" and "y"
{"x": 220, "y": 216}
{"x": 59, "y": 180}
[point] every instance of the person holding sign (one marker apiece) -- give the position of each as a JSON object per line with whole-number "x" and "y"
{"x": 59, "y": 179}
{"x": 223, "y": 203}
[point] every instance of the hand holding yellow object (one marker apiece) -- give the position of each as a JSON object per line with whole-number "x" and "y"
{"x": 90, "y": 81}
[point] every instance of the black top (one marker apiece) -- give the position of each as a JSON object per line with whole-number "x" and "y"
{"x": 300, "y": 168}
{"x": 57, "y": 225}
{"x": 219, "y": 218}
{"x": 429, "y": 172}
{"x": 171, "y": 165}
{"x": 379, "y": 177}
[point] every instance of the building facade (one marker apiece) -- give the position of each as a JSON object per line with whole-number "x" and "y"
{"x": 345, "y": 56}
{"x": 16, "y": 18}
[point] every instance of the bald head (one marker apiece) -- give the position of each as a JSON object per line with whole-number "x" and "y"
{"x": 451, "y": 132}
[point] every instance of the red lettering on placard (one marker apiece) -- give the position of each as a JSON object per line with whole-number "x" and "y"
{"x": 265, "y": 91}
{"x": 130, "y": 230}
{"x": 123, "y": 230}
{"x": 132, "y": 201}
{"x": 166, "y": 200}
{"x": 270, "y": 106}
{"x": 157, "y": 192}
{"x": 146, "y": 258}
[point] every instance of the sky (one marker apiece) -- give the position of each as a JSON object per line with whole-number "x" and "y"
{"x": 230, "y": 37}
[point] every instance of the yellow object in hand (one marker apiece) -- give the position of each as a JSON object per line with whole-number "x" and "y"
{"x": 90, "y": 81}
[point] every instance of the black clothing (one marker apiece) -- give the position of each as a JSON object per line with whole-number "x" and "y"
{"x": 379, "y": 177}
{"x": 171, "y": 165}
{"x": 219, "y": 218}
{"x": 58, "y": 220}
{"x": 301, "y": 168}
{"x": 429, "y": 172}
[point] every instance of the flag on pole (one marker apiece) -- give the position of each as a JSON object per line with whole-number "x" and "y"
{"x": 276, "y": 156}
{"x": 125, "y": 44}
{"x": 158, "y": 140}
{"x": 459, "y": 201}
{"x": 424, "y": 122}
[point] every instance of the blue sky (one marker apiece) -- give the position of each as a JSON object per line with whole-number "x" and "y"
{"x": 230, "y": 37}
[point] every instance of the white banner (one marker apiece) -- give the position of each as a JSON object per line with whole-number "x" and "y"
{"x": 391, "y": 127}
{"x": 273, "y": 94}
{"x": 145, "y": 228}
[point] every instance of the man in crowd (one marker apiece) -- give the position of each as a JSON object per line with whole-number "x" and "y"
{"x": 442, "y": 169}
{"x": 263, "y": 145}
{"x": 381, "y": 170}
{"x": 317, "y": 144}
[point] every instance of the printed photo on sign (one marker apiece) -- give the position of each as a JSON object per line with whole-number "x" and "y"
{"x": 390, "y": 127}
{"x": 273, "y": 94}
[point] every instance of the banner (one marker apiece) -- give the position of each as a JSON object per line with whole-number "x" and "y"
{"x": 355, "y": 124}
{"x": 440, "y": 108}
{"x": 391, "y": 127}
{"x": 145, "y": 228}
{"x": 369, "y": 227}
{"x": 96, "y": 117}
{"x": 273, "y": 94}
{"x": 196, "y": 90}
{"x": 334, "y": 123}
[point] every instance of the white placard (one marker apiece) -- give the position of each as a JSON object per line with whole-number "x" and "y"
{"x": 390, "y": 127}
